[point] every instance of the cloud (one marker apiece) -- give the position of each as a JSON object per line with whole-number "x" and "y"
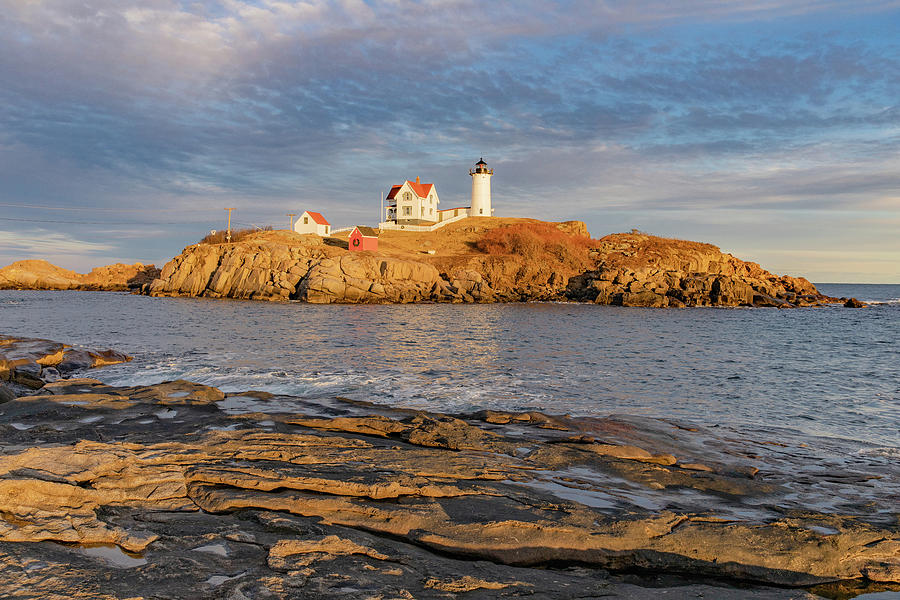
{"x": 42, "y": 242}
{"x": 599, "y": 106}
{"x": 236, "y": 94}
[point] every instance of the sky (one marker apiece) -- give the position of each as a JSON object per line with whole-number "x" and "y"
{"x": 769, "y": 128}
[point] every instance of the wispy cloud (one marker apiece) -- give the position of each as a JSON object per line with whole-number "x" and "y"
{"x": 617, "y": 105}
{"x": 44, "y": 243}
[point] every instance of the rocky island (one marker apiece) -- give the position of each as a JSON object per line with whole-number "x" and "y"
{"x": 480, "y": 260}
{"x": 473, "y": 260}
{"x": 42, "y": 275}
{"x": 178, "y": 490}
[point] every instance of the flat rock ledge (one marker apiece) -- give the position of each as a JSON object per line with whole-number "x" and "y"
{"x": 178, "y": 490}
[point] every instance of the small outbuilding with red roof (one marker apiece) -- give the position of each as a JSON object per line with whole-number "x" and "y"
{"x": 363, "y": 238}
{"x": 312, "y": 222}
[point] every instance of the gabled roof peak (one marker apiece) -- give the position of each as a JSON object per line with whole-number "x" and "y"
{"x": 420, "y": 189}
{"x": 366, "y": 231}
{"x": 317, "y": 217}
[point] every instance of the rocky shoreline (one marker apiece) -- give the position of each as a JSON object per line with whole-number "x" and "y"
{"x": 42, "y": 275}
{"x": 540, "y": 262}
{"x": 178, "y": 490}
{"x": 621, "y": 269}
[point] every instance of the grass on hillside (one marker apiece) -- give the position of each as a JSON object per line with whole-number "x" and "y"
{"x": 537, "y": 241}
{"x": 237, "y": 235}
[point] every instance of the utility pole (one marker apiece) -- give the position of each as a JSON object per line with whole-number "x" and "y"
{"x": 292, "y": 215}
{"x": 228, "y": 234}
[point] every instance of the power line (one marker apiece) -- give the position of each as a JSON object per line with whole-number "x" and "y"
{"x": 67, "y": 222}
{"x": 97, "y": 208}
{"x": 100, "y": 209}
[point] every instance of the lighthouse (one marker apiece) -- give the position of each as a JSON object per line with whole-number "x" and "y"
{"x": 481, "y": 190}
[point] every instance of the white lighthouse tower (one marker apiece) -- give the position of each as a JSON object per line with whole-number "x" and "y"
{"x": 481, "y": 190}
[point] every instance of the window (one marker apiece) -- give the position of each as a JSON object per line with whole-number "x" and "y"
{"x": 306, "y": 220}
{"x": 431, "y": 212}
{"x": 480, "y": 211}
{"x": 326, "y": 229}
{"x": 407, "y": 211}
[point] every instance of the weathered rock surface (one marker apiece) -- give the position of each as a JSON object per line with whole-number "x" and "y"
{"x": 306, "y": 270}
{"x": 622, "y": 269}
{"x": 258, "y": 269}
{"x": 345, "y": 499}
{"x": 358, "y": 277}
{"x": 28, "y": 364}
{"x": 41, "y": 275}
{"x": 643, "y": 270}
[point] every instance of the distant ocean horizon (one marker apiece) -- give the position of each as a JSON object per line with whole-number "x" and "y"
{"x": 866, "y": 292}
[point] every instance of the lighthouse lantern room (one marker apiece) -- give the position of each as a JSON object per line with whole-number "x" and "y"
{"x": 481, "y": 190}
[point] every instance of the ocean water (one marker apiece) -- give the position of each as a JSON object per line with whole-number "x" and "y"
{"x": 831, "y": 372}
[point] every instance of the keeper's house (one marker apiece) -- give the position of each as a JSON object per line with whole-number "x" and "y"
{"x": 363, "y": 238}
{"x": 413, "y": 203}
{"x": 312, "y": 222}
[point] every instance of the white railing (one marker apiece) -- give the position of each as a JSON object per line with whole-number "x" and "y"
{"x": 399, "y": 226}
{"x": 393, "y": 225}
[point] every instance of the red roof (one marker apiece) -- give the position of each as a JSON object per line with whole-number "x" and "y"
{"x": 318, "y": 218}
{"x": 421, "y": 189}
{"x": 393, "y": 192}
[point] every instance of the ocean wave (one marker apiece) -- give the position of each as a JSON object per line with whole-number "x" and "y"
{"x": 275, "y": 381}
{"x": 885, "y": 451}
{"x": 889, "y": 301}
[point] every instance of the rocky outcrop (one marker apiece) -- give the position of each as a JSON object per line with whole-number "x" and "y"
{"x": 28, "y": 364}
{"x": 251, "y": 270}
{"x": 622, "y": 269}
{"x": 119, "y": 277}
{"x": 338, "y": 499}
{"x": 41, "y": 275}
{"x": 643, "y": 270}
{"x": 364, "y": 278}
{"x": 528, "y": 261}
{"x": 37, "y": 274}
{"x": 307, "y": 270}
